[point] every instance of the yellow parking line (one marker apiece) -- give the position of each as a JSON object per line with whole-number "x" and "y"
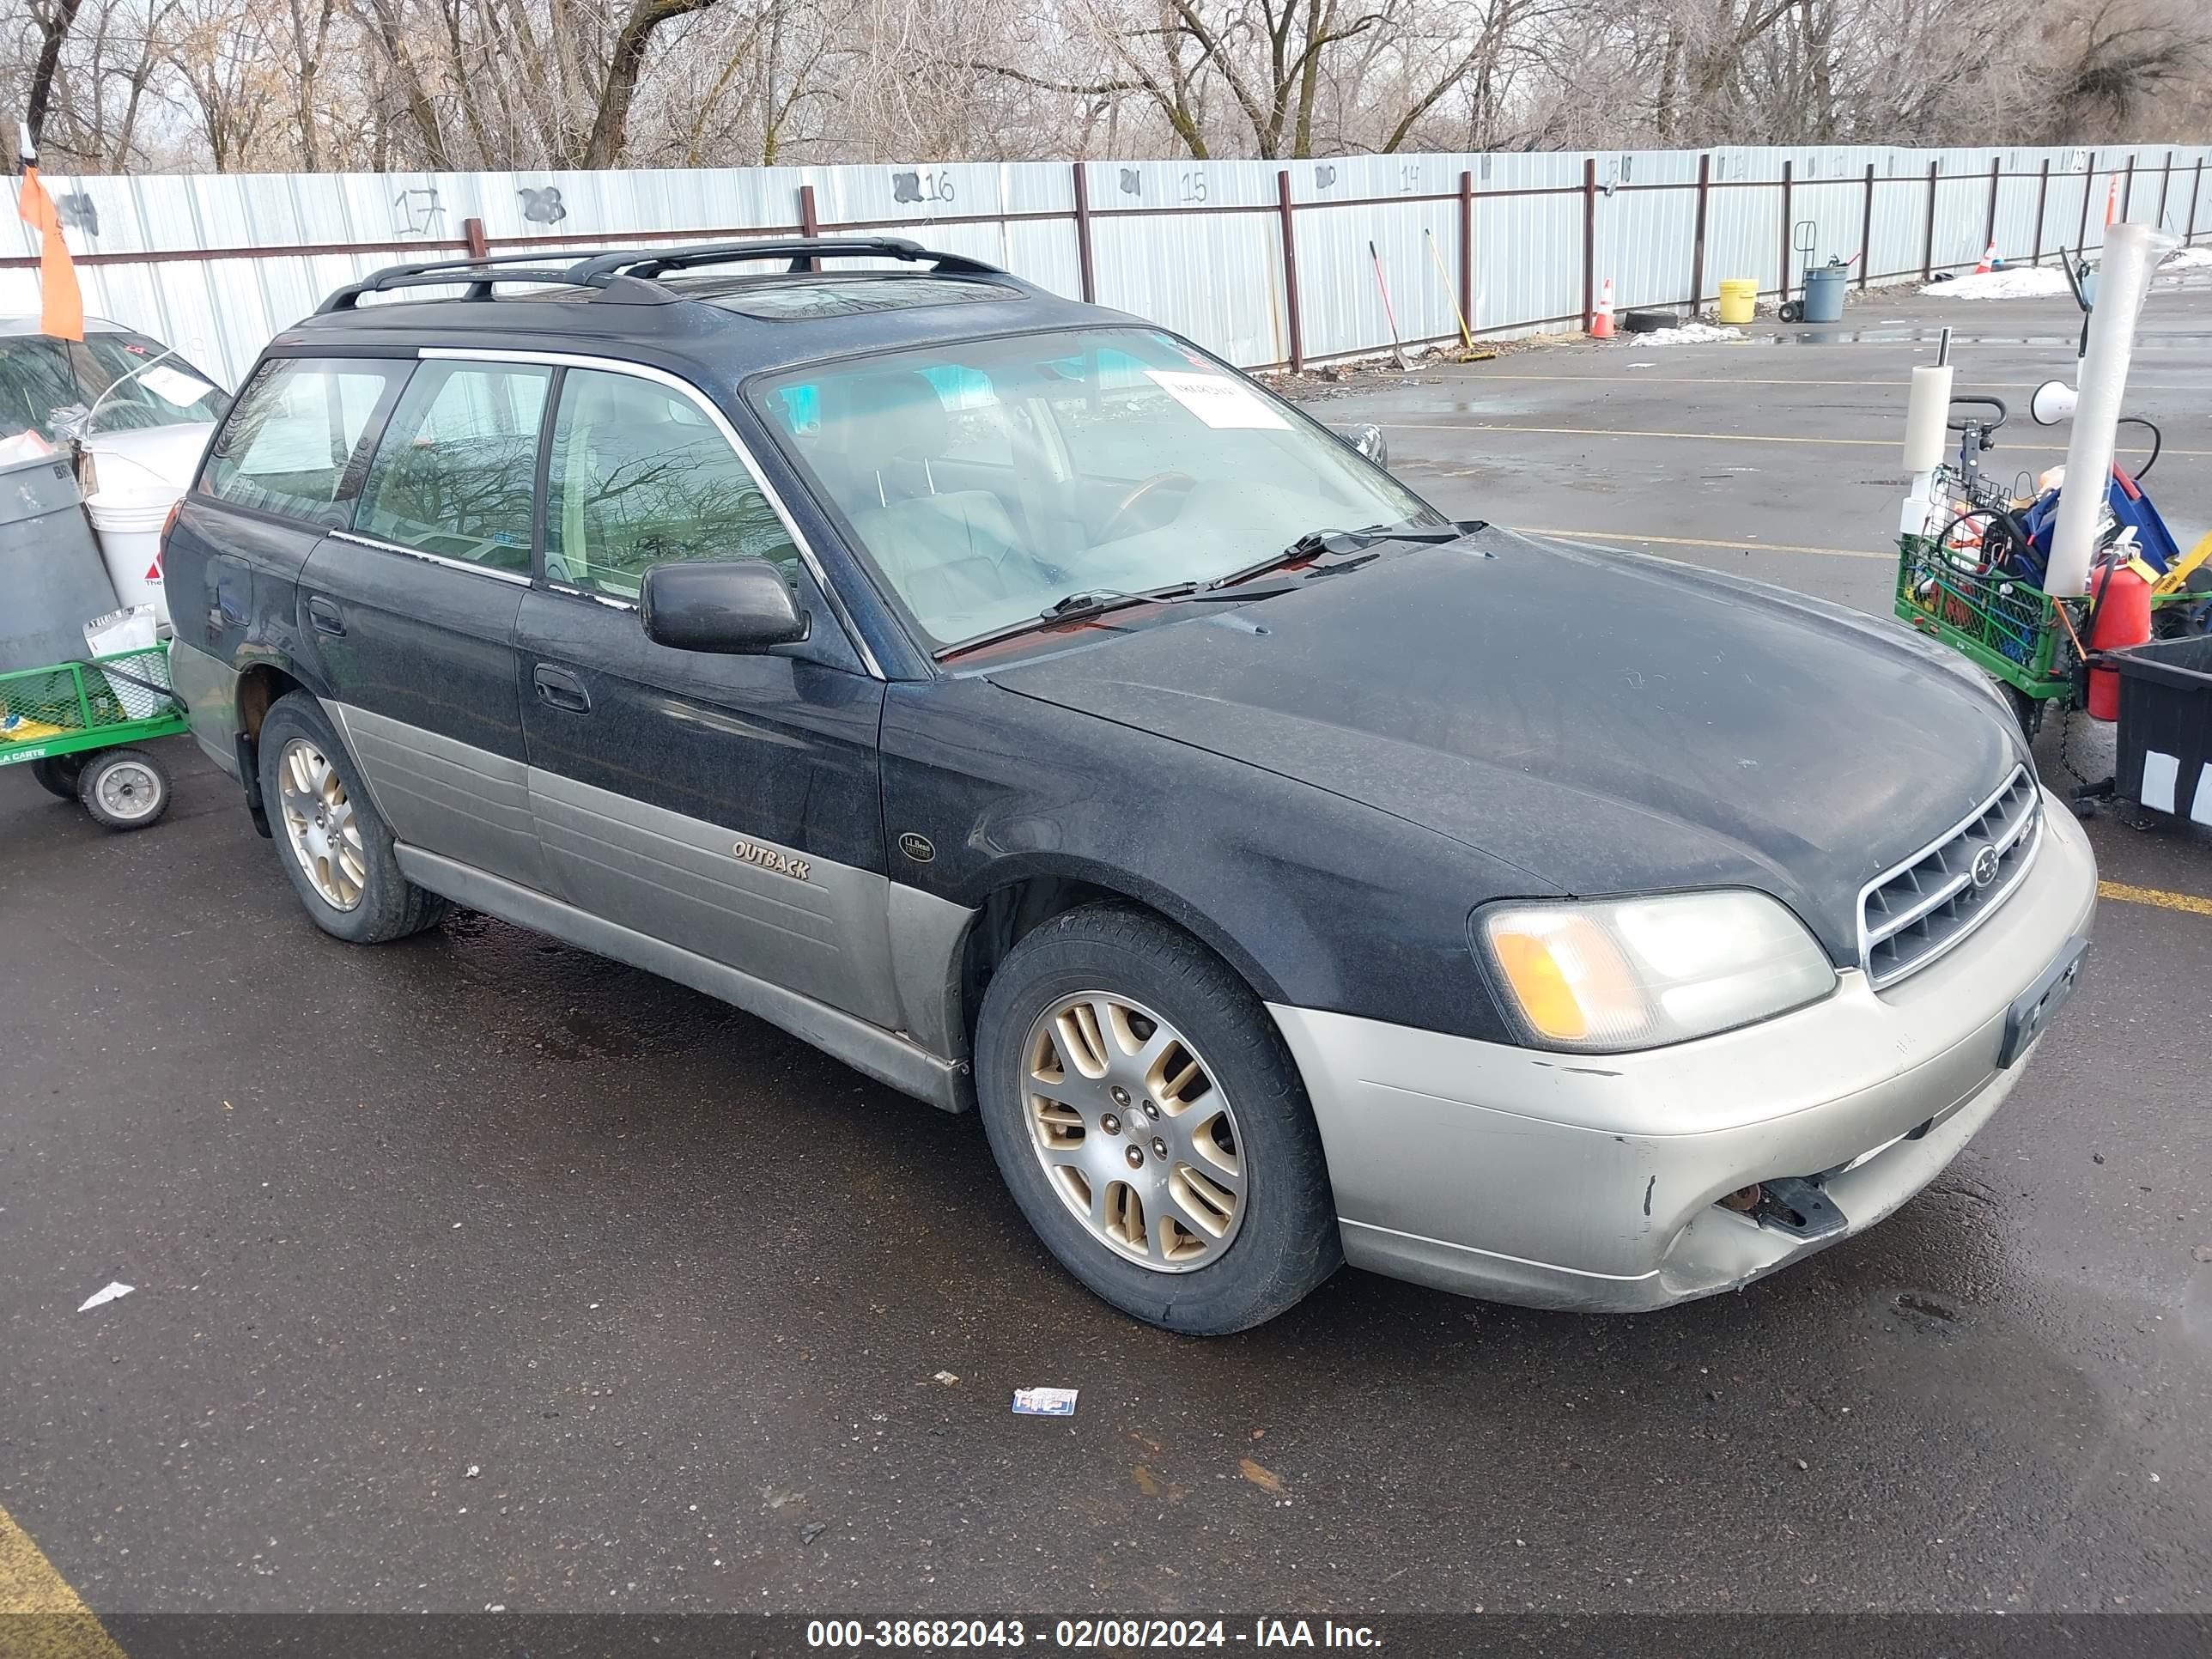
{"x": 63, "y": 1627}
{"x": 2157, "y": 895}
{"x": 1707, "y": 437}
{"x": 1623, "y": 540}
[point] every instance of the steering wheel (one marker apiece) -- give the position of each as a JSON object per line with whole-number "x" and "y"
{"x": 1137, "y": 495}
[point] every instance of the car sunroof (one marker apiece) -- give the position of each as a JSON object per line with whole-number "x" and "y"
{"x": 846, "y": 293}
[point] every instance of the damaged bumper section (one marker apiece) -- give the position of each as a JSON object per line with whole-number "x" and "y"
{"x": 1623, "y": 1182}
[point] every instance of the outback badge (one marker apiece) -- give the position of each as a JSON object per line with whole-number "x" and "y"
{"x": 768, "y": 858}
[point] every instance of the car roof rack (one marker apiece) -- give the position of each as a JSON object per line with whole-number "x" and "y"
{"x": 627, "y": 277}
{"x": 648, "y": 263}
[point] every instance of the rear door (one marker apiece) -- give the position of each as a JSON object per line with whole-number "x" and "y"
{"x": 411, "y": 612}
{"x": 725, "y": 805}
{"x": 281, "y": 474}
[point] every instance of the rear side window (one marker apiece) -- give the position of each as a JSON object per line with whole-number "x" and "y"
{"x": 294, "y": 442}
{"x": 638, "y": 477}
{"x": 455, "y": 470}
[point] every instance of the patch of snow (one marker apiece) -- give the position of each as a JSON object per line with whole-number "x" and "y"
{"x": 1687, "y": 334}
{"x": 2186, "y": 259}
{"x": 2029, "y": 283}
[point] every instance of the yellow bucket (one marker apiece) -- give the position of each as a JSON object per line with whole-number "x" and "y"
{"x": 1739, "y": 299}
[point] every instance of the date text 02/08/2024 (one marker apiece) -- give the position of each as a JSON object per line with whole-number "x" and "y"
{"x": 1086, "y": 1634}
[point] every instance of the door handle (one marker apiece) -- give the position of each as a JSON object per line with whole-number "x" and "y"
{"x": 325, "y": 616}
{"x": 558, "y": 689}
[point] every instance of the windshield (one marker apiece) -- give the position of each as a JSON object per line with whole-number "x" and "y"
{"x": 47, "y": 385}
{"x": 988, "y": 480}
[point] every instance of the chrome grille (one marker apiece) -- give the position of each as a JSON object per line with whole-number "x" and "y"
{"x": 1915, "y": 913}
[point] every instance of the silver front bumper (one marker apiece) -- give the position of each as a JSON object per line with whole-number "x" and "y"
{"x": 1592, "y": 1182}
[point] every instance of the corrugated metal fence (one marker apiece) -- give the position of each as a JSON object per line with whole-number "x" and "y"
{"x": 1267, "y": 263}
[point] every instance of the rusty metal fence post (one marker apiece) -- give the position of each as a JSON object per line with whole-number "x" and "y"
{"x": 2042, "y": 201}
{"x": 2088, "y": 189}
{"x": 2195, "y": 193}
{"x": 472, "y": 232}
{"x": 809, "y": 219}
{"x": 2128, "y": 191}
{"x": 1590, "y": 242}
{"x": 1782, "y": 285}
{"x": 2164, "y": 183}
{"x": 1927, "y": 249}
{"x": 1697, "y": 235}
{"x": 1996, "y": 172}
{"x": 1083, "y": 263}
{"x": 1866, "y": 231}
{"x": 1467, "y": 248}
{"x": 1291, "y": 273}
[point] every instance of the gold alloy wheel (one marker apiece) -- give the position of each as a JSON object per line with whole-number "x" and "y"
{"x": 320, "y": 823}
{"x": 1134, "y": 1135}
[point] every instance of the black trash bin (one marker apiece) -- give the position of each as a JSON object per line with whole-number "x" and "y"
{"x": 2166, "y": 725}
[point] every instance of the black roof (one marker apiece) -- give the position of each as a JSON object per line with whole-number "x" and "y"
{"x": 685, "y": 302}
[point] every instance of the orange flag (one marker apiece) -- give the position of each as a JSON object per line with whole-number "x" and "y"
{"x": 62, "y": 302}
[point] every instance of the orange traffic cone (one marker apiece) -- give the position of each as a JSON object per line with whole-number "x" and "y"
{"x": 1601, "y": 322}
{"x": 2112, "y": 202}
{"x": 1989, "y": 261}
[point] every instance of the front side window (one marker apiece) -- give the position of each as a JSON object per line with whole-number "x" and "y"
{"x": 639, "y": 476}
{"x": 988, "y": 480}
{"x": 293, "y": 443}
{"x": 130, "y": 382}
{"x": 456, "y": 470}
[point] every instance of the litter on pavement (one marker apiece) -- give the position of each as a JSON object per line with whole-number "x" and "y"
{"x": 1044, "y": 1402}
{"x": 117, "y": 1290}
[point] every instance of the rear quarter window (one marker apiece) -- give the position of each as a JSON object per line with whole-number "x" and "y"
{"x": 296, "y": 441}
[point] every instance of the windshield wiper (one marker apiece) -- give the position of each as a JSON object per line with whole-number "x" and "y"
{"x": 1088, "y": 602}
{"x": 1315, "y": 543}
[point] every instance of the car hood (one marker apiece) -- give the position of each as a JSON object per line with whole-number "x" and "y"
{"x": 1606, "y": 721}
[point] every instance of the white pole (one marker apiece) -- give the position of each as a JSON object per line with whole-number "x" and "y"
{"x": 2131, "y": 254}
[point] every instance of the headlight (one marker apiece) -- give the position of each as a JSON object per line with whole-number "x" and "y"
{"x": 1623, "y": 974}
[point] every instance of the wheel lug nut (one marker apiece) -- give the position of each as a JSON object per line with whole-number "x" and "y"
{"x": 1120, "y": 1095}
{"x": 1159, "y": 1147}
{"x": 1110, "y": 1124}
{"x": 1136, "y": 1156}
{"x": 1151, "y": 1110}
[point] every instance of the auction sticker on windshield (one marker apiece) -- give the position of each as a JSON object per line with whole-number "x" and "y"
{"x": 1217, "y": 400}
{"x": 174, "y": 386}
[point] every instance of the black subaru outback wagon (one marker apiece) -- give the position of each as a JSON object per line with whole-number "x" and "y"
{"x": 1013, "y": 700}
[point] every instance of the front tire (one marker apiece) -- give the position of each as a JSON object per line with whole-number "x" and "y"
{"x": 1151, "y": 1125}
{"x": 333, "y": 844}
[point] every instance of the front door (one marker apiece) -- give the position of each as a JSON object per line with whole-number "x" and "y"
{"x": 725, "y": 805}
{"x": 412, "y": 614}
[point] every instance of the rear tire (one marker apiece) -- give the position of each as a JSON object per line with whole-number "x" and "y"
{"x": 58, "y": 774}
{"x": 334, "y": 845}
{"x": 123, "y": 788}
{"x": 2028, "y": 711}
{"x": 1151, "y": 1125}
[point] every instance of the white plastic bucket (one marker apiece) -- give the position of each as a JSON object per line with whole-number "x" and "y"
{"x": 128, "y": 524}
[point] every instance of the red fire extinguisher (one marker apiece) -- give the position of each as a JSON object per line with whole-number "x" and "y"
{"x": 2122, "y": 617}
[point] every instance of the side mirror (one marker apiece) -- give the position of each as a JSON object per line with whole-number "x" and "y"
{"x": 728, "y": 606}
{"x": 1368, "y": 441}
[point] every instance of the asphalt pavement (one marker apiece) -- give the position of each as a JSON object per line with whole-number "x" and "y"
{"x": 475, "y": 1272}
